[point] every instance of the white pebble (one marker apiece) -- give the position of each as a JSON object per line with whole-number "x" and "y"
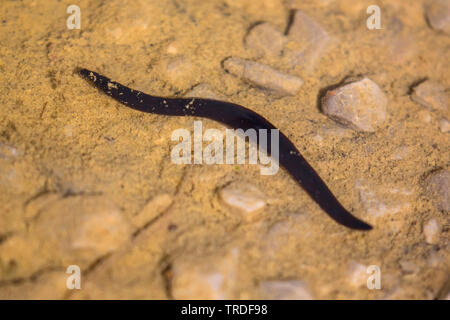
{"x": 379, "y": 201}
{"x": 359, "y": 105}
{"x": 444, "y": 125}
{"x": 83, "y": 227}
{"x": 431, "y": 231}
{"x": 209, "y": 277}
{"x": 244, "y": 197}
{"x": 357, "y": 274}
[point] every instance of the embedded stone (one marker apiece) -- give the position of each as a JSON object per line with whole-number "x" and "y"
{"x": 263, "y": 76}
{"x": 359, "y": 105}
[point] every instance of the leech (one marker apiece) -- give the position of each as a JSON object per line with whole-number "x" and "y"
{"x": 236, "y": 117}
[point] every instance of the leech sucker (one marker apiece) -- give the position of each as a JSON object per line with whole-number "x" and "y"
{"x": 236, "y": 117}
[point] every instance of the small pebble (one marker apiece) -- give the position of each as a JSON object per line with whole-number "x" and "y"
{"x": 305, "y": 29}
{"x": 177, "y": 68}
{"x": 265, "y": 39}
{"x": 432, "y": 95}
{"x": 383, "y": 200}
{"x": 317, "y": 138}
{"x": 431, "y": 231}
{"x": 438, "y": 15}
{"x": 357, "y": 274}
{"x": 102, "y": 229}
{"x": 68, "y": 131}
{"x": 210, "y": 277}
{"x": 359, "y": 105}
{"x": 286, "y": 234}
{"x": 444, "y": 125}
{"x": 83, "y": 227}
{"x": 243, "y": 196}
{"x": 308, "y": 42}
{"x": 285, "y": 290}
{"x": 263, "y": 76}
{"x": 424, "y": 116}
{"x": 400, "y": 153}
{"x": 172, "y": 48}
{"x": 437, "y": 187}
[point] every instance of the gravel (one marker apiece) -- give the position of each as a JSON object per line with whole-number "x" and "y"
{"x": 359, "y": 105}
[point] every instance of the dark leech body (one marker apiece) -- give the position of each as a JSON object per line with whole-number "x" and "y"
{"x": 236, "y": 117}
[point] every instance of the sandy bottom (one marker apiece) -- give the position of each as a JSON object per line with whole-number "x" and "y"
{"x": 86, "y": 181}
